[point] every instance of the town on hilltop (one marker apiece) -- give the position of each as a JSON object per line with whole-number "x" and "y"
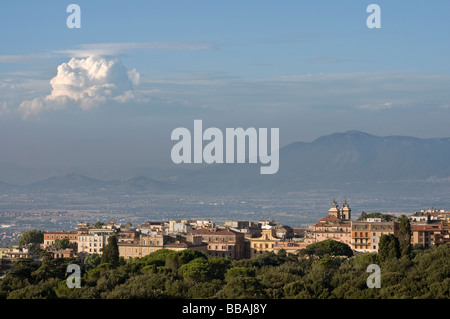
{"x": 236, "y": 239}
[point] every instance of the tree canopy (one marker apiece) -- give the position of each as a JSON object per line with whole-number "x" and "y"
{"x": 110, "y": 253}
{"x": 327, "y": 247}
{"x": 422, "y": 274}
{"x": 32, "y": 237}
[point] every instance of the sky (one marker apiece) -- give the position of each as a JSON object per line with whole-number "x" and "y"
{"x": 112, "y": 91}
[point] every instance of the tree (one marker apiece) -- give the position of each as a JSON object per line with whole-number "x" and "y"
{"x": 388, "y": 248}
{"x": 62, "y": 243}
{"x": 92, "y": 261}
{"x": 239, "y": 272}
{"x": 327, "y": 247}
{"x": 31, "y": 237}
{"x": 176, "y": 259}
{"x": 111, "y": 252}
{"x": 197, "y": 270}
{"x": 404, "y": 235}
{"x": 98, "y": 225}
{"x": 242, "y": 287}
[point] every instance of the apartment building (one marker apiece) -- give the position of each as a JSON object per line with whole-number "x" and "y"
{"x": 365, "y": 235}
{"x": 430, "y": 234}
{"x": 147, "y": 244}
{"x": 223, "y": 242}
{"x": 94, "y": 241}
{"x": 50, "y": 237}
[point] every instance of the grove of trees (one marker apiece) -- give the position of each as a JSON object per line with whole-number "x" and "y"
{"x": 327, "y": 270}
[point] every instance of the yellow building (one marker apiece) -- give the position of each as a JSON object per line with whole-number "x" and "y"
{"x": 366, "y": 234}
{"x": 263, "y": 244}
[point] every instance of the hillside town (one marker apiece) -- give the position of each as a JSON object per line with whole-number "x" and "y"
{"x": 237, "y": 239}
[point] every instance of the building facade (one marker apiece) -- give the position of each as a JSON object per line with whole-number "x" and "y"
{"x": 94, "y": 241}
{"x": 223, "y": 242}
{"x": 50, "y": 237}
{"x": 366, "y": 234}
{"x": 266, "y": 242}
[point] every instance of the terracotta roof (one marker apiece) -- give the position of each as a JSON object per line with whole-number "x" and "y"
{"x": 212, "y": 233}
{"x": 426, "y": 227}
{"x": 177, "y": 244}
{"x": 329, "y": 218}
{"x": 61, "y": 232}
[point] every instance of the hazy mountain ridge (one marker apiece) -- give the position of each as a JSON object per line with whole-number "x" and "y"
{"x": 351, "y": 157}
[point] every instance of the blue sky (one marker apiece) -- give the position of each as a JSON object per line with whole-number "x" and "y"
{"x": 308, "y": 67}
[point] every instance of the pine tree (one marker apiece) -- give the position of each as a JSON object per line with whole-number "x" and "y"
{"x": 111, "y": 252}
{"x": 405, "y": 235}
{"x": 389, "y": 247}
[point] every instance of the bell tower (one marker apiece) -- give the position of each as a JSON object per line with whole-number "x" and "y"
{"x": 334, "y": 210}
{"x": 346, "y": 212}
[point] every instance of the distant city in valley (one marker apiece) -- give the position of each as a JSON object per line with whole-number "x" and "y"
{"x": 240, "y": 239}
{"x": 392, "y": 175}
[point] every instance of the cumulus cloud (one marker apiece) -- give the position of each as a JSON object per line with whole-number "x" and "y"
{"x": 87, "y": 83}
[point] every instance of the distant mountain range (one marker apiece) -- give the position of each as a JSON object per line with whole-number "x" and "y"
{"x": 351, "y": 157}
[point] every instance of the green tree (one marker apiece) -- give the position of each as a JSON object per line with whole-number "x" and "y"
{"x": 176, "y": 259}
{"x": 111, "y": 252}
{"x": 98, "y": 225}
{"x": 243, "y": 287}
{"x": 404, "y": 235}
{"x": 327, "y": 247}
{"x": 31, "y": 237}
{"x": 388, "y": 247}
{"x": 239, "y": 272}
{"x": 43, "y": 290}
{"x": 92, "y": 261}
{"x": 197, "y": 270}
{"x": 219, "y": 266}
{"x": 62, "y": 243}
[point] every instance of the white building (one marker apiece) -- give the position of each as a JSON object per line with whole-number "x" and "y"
{"x": 94, "y": 241}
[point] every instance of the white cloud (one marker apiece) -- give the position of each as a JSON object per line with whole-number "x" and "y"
{"x": 86, "y": 82}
